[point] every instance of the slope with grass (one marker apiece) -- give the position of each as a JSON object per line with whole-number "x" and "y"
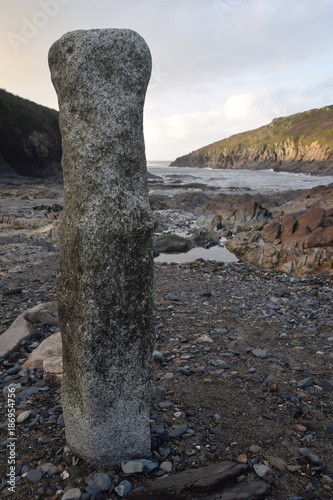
{"x": 30, "y": 141}
{"x": 298, "y": 143}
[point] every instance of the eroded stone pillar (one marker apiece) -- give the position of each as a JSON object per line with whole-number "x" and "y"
{"x": 105, "y": 271}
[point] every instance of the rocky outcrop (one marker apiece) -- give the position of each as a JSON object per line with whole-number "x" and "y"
{"x": 298, "y": 243}
{"x": 295, "y": 235}
{"x": 30, "y": 142}
{"x": 235, "y": 219}
{"x": 298, "y": 143}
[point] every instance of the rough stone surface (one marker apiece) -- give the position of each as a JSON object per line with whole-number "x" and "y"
{"x": 20, "y": 330}
{"x": 134, "y": 466}
{"x": 43, "y": 313}
{"x": 102, "y": 480}
{"x": 104, "y": 285}
{"x": 247, "y": 490}
{"x": 291, "y": 243}
{"x": 50, "y": 347}
{"x": 191, "y": 483}
{"x": 53, "y": 368}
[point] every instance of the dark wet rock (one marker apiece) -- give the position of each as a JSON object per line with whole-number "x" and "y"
{"x": 178, "y": 431}
{"x": 93, "y": 489}
{"x": 124, "y": 488}
{"x": 35, "y": 475}
{"x": 172, "y": 297}
{"x": 308, "y": 456}
{"x": 259, "y": 353}
{"x": 171, "y": 243}
{"x": 102, "y": 480}
{"x": 204, "y": 239}
{"x": 140, "y": 465}
{"x": 305, "y": 382}
{"x": 247, "y": 490}
{"x": 195, "y": 482}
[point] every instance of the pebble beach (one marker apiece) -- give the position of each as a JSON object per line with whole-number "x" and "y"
{"x": 243, "y": 381}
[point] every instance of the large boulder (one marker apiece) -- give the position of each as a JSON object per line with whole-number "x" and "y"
{"x": 171, "y": 243}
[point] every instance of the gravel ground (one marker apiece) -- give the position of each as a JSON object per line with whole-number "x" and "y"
{"x": 244, "y": 372}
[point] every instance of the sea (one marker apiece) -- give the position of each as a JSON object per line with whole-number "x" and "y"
{"x": 172, "y": 180}
{"x": 167, "y": 180}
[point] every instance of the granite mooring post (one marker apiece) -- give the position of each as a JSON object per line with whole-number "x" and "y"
{"x": 105, "y": 269}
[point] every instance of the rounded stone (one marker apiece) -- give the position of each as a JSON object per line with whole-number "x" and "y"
{"x": 22, "y": 417}
{"x": 72, "y": 494}
{"x": 35, "y": 475}
{"x": 261, "y": 470}
{"x": 102, "y": 480}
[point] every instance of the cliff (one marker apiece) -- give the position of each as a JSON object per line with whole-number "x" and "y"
{"x": 30, "y": 141}
{"x": 298, "y": 143}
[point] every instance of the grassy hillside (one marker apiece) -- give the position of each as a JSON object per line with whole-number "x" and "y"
{"x": 300, "y": 142}
{"x": 30, "y": 141}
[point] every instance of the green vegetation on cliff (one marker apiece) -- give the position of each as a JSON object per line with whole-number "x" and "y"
{"x": 30, "y": 141}
{"x": 298, "y": 143}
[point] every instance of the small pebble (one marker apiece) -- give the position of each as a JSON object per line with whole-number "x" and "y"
{"x": 254, "y": 448}
{"x": 22, "y": 417}
{"x": 123, "y": 488}
{"x": 242, "y": 459}
{"x": 35, "y": 475}
{"x": 277, "y": 463}
{"x": 102, "y": 480}
{"x": 72, "y": 494}
{"x": 93, "y": 489}
{"x": 306, "y": 382}
{"x": 294, "y": 468}
{"x": 166, "y": 466}
{"x": 300, "y": 428}
{"x": 261, "y": 470}
{"x": 259, "y": 353}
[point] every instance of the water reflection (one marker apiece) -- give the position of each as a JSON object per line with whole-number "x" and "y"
{"x": 218, "y": 253}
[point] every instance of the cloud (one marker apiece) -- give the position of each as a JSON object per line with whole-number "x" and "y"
{"x": 219, "y": 66}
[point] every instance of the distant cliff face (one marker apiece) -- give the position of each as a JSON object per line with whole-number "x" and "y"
{"x": 30, "y": 141}
{"x": 298, "y": 143}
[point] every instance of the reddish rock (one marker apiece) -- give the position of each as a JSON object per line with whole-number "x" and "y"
{"x": 289, "y": 226}
{"x": 321, "y": 237}
{"x": 271, "y": 231}
{"x": 242, "y": 459}
{"x": 51, "y": 346}
{"x": 296, "y": 240}
{"x": 312, "y": 218}
{"x": 300, "y": 428}
{"x": 327, "y": 222}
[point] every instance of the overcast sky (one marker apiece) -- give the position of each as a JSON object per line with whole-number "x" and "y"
{"x": 219, "y": 66}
